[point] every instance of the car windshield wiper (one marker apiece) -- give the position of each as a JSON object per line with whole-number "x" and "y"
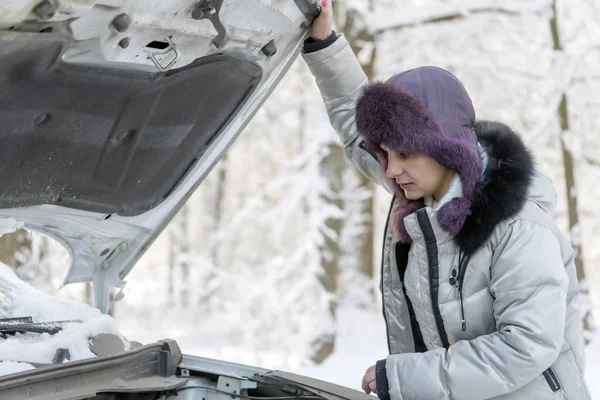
{"x": 12, "y": 326}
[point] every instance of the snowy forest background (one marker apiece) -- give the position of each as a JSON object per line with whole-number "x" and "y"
{"x": 274, "y": 261}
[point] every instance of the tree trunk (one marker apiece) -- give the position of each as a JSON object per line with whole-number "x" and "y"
{"x": 10, "y": 244}
{"x": 88, "y": 293}
{"x": 173, "y": 250}
{"x": 332, "y": 169}
{"x": 111, "y": 304}
{"x": 358, "y": 40}
{"x": 571, "y": 188}
{"x": 219, "y": 207}
{"x": 184, "y": 253}
{"x": 367, "y": 250}
{"x": 216, "y": 199}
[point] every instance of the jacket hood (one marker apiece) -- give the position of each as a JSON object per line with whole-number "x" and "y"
{"x": 504, "y": 187}
{"x": 543, "y": 193}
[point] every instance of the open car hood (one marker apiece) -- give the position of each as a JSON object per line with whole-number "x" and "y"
{"x": 112, "y": 113}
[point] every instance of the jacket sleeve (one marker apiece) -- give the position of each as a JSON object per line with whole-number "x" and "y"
{"x": 340, "y": 78}
{"x": 529, "y": 284}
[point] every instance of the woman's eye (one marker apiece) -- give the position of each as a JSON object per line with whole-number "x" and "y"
{"x": 404, "y": 155}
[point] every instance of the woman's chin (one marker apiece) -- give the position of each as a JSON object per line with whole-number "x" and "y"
{"x": 412, "y": 194}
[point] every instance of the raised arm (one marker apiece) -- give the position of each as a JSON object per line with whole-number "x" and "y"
{"x": 340, "y": 79}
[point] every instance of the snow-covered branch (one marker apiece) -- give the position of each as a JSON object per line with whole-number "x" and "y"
{"x": 592, "y": 161}
{"x": 410, "y": 15}
{"x": 568, "y": 78}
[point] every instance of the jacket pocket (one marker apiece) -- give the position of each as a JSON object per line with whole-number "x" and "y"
{"x": 552, "y": 380}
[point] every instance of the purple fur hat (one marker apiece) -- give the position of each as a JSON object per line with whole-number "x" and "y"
{"x": 427, "y": 111}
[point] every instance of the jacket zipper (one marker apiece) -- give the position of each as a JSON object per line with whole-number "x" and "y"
{"x": 462, "y": 269}
{"x": 385, "y": 234}
{"x": 434, "y": 280}
{"x": 552, "y": 380}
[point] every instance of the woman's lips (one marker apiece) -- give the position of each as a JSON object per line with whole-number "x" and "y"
{"x": 406, "y": 185}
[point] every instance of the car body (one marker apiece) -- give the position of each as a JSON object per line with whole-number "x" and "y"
{"x": 113, "y": 112}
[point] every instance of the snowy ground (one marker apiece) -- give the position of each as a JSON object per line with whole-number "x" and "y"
{"x": 593, "y": 369}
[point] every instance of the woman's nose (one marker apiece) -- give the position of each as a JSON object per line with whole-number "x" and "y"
{"x": 394, "y": 169}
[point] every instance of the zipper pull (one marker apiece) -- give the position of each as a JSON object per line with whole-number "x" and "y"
{"x": 453, "y": 281}
{"x": 462, "y": 307}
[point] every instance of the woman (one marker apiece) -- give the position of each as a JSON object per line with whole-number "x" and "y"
{"x": 480, "y": 295}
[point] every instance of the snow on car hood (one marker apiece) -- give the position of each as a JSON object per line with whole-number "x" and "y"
{"x": 114, "y": 112}
{"x": 19, "y": 299}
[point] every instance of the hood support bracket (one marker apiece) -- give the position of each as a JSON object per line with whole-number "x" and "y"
{"x": 209, "y": 9}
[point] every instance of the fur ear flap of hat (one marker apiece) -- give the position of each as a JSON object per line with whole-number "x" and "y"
{"x": 388, "y": 115}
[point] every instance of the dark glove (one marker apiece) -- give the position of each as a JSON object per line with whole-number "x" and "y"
{"x": 383, "y": 389}
{"x": 311, "y": 45}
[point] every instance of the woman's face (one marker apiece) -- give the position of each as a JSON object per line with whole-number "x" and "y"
{"x": 418, "y": 175}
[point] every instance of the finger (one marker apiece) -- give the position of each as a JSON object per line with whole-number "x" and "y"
{"x": 325, "y": 6}
{"x": 373, "y": 386}
{"x": 369, "y": 377}
{"x": 365, "y": 387}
